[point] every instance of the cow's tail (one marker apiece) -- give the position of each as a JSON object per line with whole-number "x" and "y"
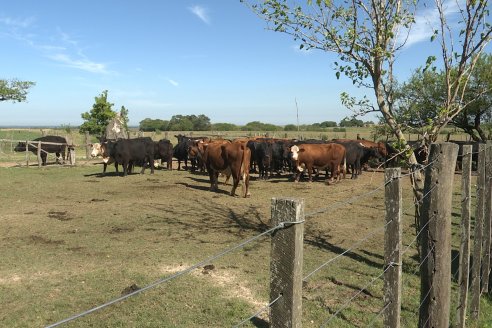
{"x": 345, "y": 165}
{"x": 245, "y": 163}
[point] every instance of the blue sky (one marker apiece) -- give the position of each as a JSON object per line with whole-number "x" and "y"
{"x": 162, "y": 58}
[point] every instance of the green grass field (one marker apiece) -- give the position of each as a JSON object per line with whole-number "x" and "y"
{"x": 72, "y": 239}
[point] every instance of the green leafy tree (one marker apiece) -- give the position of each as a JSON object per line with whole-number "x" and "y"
{"x": 180, "y": 123}
{"x": 328, "y": 124}
{"x": 351, "y": 122}
{"x": 420, "y": 99}
{"x": 290, "y": 127}
{"x": 14, "y": 90}
{"x": 97, "y": 119}
{"x": 224, "y": 127}
{"x": 153, "y": 125}
{"x": 201, "y": 123}
{"x": 124, "y": 118}
{"x": 366, "y": 37}
{"x": 259, "y": 126}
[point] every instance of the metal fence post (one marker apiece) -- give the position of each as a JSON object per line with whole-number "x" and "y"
{"x": 435, "y": 222}
{"x": 464, "y": 269}
{"x": 392, "y": 248}
{"x": 286, "y": 263}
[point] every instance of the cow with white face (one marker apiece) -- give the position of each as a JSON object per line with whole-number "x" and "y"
{"x": 320, "y": 156}
{"x": 105, "y": 150}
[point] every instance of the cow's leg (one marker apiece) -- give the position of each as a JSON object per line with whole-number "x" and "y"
{"x": 125, "y": 168}
{"x": 310, "y": 173}
{"x": 43, "y": 158}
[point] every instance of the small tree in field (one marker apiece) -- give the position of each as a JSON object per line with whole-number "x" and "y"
{"x": 14, "y": 90}
{"x": 99, "y": 116}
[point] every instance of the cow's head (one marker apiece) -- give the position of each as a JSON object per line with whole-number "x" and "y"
{"x": 294, "y": 152}
{"x": 95, "y": 149}
{"x": 104, "y": 152}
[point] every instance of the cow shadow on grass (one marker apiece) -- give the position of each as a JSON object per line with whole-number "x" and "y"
{"x": 201, "y": 188}
{"x": 323, "y": 243}
{"x": 104, "y": 175}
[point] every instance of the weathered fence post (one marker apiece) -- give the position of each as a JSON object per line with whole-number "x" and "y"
{"x": 286, "y": 263}
{"x": 435, "y": 222}
{"x": 465, "y": 235}
{"x": 40, "y": 160}
{"x": 87, "y": 145}
{"x": 392, "y": 248}
{"x": 486, "y": 244}
{"x": 478, "y": 233}
{"x": 27, "y": 153}
{"x": 488, "y": 218}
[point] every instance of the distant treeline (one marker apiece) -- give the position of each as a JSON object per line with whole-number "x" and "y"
{"x": 202, "y": 123}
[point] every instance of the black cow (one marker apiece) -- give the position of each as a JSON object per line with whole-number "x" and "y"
{"x": 357, "y": 155}
{"x": 45, "y": 148}
{"x": 262, "y": 155}
{"x": 138, "y": 151}
{"x": 180, "y": 151}
{"x": 164, "y": 152}
{"x": 475, "y": 148}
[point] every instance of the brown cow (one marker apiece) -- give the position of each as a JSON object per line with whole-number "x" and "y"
{"x": 230, "y": 159}
{"x": 320, "y": 156}
{"x": 380, "y": 146}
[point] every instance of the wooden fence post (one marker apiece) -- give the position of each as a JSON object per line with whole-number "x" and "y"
{"x": 486, "y": 243}
{"x": 87, "y": 147}
{"x": 286, "y": 263}
{"x": 465, "y": 235}
{"x": 488, "y": 218}
{"x": 392, "y": 248}
{"x": 435, "y": 222}
{"x": 27, "y": 153}
{"x": 40, "y": 160}
{"x": 478, "y": 234}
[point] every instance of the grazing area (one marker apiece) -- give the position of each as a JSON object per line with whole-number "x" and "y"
{"x": 72, "y": 239}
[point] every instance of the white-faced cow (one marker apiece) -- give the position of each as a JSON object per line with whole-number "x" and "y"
{"x": 320, "y": 156}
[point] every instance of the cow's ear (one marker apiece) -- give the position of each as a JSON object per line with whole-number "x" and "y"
{"x": 301, "y": 150}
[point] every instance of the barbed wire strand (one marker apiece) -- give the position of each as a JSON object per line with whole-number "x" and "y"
{"x": 257, "y": 313}
{"x": 340, "y": 204}
{"x": 373, "y": 320}
{"x": 345, "y": 305}
{"x": 372, "y": 233}
{"x": 168, "y": 278}
{"x": 369, "y": 235}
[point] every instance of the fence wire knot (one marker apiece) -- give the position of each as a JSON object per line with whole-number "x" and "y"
{"x": 283, "y": 225}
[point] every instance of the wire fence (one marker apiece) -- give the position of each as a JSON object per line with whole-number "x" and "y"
{"x": 312, "y": 214}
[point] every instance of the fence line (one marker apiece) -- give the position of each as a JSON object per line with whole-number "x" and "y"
{"x": 163, "y": 280}
{"x": 345, "y": 305}
{"x": 257, "y": 313}
{"x": 287, "y": 224}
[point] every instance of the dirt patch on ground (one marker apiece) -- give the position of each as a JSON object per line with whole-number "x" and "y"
{"x": 40, "y": 240}
{"x": 59, "y": 215}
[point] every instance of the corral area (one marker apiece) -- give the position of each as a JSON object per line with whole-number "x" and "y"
{"x": 72, "y": 239}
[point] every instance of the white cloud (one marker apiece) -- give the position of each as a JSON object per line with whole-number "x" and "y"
{"x": 302, "y": 51}
{"x": 16, "y": 23}
{"x": 426, "y": 22}
{"x": 173, "y": 82}
{"x": 82, "y": 64}
{"x": 201, "y": 13}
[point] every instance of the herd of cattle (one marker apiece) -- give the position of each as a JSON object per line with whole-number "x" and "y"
{"x": 238, "y": 157}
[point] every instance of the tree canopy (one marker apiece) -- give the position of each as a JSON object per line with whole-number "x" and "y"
{"x": 14, "y": 90}
{"x": 99, "y": 116}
